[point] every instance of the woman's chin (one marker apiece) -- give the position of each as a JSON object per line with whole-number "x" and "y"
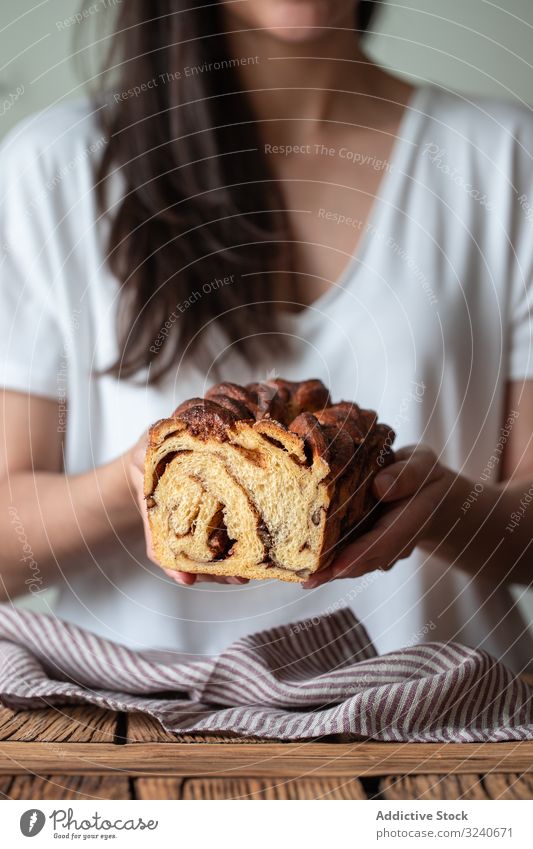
{"x": 297, "y": 34}
{"x": 301, "y": 21}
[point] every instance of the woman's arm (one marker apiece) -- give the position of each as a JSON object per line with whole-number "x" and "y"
{"x": 489, "y": 527}
{"x": 478, "y": 526}
{"x": 47, "y": 519}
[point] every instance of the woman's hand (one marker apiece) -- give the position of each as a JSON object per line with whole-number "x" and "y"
{"x": 135, "y": 468}
{"x": 410, "y": 491}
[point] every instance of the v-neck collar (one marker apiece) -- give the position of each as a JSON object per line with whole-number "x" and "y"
{"x": 409, "y": 123}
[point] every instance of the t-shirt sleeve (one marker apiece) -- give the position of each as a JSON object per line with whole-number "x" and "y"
{"x": 31, "y": 341}
{"x": 520, "y": 349}
{"x": 521, "y": 331}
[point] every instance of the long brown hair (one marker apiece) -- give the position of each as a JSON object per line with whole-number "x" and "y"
{"x": 200, "y": 213}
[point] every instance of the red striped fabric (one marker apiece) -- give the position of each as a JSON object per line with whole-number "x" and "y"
{"x": 299, "y": 681}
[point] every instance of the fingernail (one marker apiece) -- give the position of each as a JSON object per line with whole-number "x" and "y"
{"x": 185, "y": 582}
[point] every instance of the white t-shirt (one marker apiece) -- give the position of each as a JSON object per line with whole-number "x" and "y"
{"x": 429, "y": 320}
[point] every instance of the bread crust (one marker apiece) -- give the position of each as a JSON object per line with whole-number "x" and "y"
{"x": 262, "y": 481}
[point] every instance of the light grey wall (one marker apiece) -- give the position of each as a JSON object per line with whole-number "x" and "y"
{"x": 474, "y": 46}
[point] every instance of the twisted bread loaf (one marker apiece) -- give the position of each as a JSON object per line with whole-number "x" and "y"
{"x": 262, "y": 481}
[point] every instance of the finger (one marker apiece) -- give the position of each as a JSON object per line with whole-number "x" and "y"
{"x": 356, "y": 567}
{"x": 318, "y": 579}
{"x": 141, "y": 504}
{"x": 150, "y": 553}
{"x": 222, "y": 579}
{"x": 406, "y": 477}
{"x": 345, "y": 568}
{"x": 188, "y": 578}
{"x": 138, "y": 453}
{"x": 234, "y": 580}
{"x": 183, "y": 578}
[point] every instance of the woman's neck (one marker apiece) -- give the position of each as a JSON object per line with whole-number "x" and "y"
{"x": 314, "y": 80}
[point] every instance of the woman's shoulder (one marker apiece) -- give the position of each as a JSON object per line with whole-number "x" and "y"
{"x": 51, "y": 143}
{"x": 476, "y": 118}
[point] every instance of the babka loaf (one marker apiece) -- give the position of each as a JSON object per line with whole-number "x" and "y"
{"x": 267, "y": 480}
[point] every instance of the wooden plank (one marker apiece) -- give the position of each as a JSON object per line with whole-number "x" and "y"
{"x": 273, "y": 788}
{"x": 145, "y": 729}
{"x": 433, "y": 787}
{"x": 291, "y": 760}
{"x": 68, "y": 787}
{"x": 5, "y": 783}
{"x": 158, "y": 788}
{"x": 511, "y": 786}
{"x": 142, "y": 728}
{"x": 68, "y": 723}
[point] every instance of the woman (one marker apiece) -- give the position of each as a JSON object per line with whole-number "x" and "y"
{"x": 252, "y": 197}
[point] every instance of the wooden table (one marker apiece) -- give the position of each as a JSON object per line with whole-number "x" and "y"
{"x": 88, "y": 753}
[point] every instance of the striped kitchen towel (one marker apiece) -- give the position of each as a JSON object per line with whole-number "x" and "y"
{"x": 300, "y": 681}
